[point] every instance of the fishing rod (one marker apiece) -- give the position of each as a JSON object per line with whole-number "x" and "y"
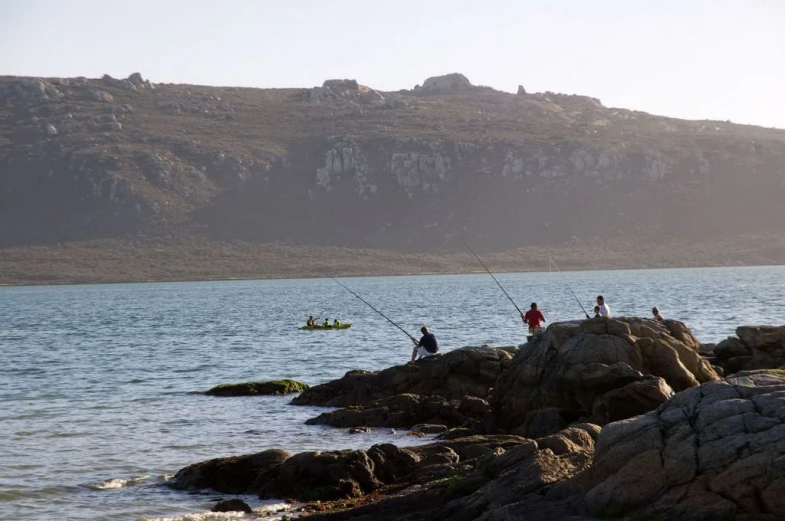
{"x": 568, "y": 285}
{"x": 373, "y": 308}
{"x": 494, "y": 278}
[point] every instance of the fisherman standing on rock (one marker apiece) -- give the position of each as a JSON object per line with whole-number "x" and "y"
{"x": 533, "y": 317}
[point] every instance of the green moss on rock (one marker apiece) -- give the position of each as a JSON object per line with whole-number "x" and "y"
{"x": 258, "y": 388}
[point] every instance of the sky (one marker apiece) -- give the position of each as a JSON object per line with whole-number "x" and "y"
{"x": 694, "y": 59}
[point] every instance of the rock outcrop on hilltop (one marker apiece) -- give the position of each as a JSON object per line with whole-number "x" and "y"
{"x": 753, "y": 347}
{"x": 469, "y": 371}
{"x": 447, "y": 83}
{"x": 599, "y": 370}
{"x": 350, "y": 90}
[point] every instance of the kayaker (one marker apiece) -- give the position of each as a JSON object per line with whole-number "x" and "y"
{"x": 336, "y": 323}
{"x": 427, "y": 346}
{"x": 326, "y": 322}
{"x": 311, "y": 322}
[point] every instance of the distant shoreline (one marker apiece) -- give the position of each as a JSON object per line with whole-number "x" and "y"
{"x": 364, "y": 275}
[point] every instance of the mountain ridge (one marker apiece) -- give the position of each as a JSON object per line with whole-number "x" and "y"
{"x": 342, "y": 165}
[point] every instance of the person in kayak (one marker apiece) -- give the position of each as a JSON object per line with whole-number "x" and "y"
{"x": 326, "y": 323}
{"x": 310, "y": 322}
{"x": 427, "y": 346}
{"x": 336, "y": 323}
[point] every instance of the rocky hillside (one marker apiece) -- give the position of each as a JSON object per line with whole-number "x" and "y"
{"x": 86, "y": 160}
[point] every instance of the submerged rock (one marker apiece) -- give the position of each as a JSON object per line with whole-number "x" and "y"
{"x": 258, "y": 388}
{"x": 599, "y": 370}
{"x": 232, "y": 505}
{"x": 469, "y": 371}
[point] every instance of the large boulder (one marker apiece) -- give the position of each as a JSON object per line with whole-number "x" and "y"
{"x": 407, "y": 410}
{"x": 486, "y": 478}
{"x": 753, "y": 347}
{"x": 454, "y": 82}
{"x": 233, "y": 475}
{"x": 599, "y": 370}
{"x": 336, "y": 474}
{"x": 715, "y": 452}
{"x": 468, "y": 371}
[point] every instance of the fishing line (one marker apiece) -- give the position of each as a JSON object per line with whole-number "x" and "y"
{"x": 494, "y": 279}
{"x": 568, "y": 285}
{"x": 373, "y": 308}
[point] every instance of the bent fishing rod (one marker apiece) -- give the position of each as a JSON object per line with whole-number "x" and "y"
{"x": 568, "y": 285}
{"x": 494, "y": 279}
{"x": 373, "y": 308}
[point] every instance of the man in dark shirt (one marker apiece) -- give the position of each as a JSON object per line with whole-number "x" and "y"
{"x": 427, "y": 346}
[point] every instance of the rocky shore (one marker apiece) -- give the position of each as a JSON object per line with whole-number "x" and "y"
{"x": 622, "y": 418}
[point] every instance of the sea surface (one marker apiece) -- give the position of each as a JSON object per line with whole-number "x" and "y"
{"x": 99, "y": 385}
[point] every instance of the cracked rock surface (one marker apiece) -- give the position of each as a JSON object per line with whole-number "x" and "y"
{"x": 598, "y": 370}
{"x": 713, "y": 452}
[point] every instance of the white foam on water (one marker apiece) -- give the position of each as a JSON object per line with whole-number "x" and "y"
{"x": 204, "y": 516}
{"x": 116, "y": 483}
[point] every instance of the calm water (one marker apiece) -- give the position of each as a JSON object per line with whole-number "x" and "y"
{"x": 97, "y": 382}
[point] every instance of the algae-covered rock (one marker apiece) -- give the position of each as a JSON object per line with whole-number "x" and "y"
{"x": 256, "y": 388}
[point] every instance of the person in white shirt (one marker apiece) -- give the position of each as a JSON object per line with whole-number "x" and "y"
{"x": 605, "y": 311}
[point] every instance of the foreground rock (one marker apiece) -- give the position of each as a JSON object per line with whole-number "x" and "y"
{"x": 336, "y": 474}
{"x": 234, "y": 475}
{"x": 469, "y": 371}
{"x": 257, "y": 388}
{"x": 715, "y": 452}
{"x": 753, "y": 347}
{"x": 530, "y": 480}
{"x": 712, "y": 453}
{"x": 407, "y": 410}
{"x": 598, "y": 371}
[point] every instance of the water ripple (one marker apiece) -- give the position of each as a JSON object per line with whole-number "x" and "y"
{"x": 103, "y": 384}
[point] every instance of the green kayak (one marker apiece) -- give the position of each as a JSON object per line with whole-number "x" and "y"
{"x": 342, "y": 326}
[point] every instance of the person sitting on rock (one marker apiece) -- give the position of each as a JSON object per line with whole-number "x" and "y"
{"x": 605, "y": 310}
{"x": 656, "y": 313}
{"x": 336, "y": 323}
{"x": 533, "y": 317}
{"x": 427, "y": 346}
{"x": 596, "y": 311}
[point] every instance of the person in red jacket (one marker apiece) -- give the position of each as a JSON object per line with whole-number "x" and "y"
{"x": 533, "y": 318}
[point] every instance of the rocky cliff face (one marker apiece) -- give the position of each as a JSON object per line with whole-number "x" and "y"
{"x": 344, "y": 164}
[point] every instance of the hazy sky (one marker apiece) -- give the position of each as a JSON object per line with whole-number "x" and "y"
{"x": 697, "y": 59}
